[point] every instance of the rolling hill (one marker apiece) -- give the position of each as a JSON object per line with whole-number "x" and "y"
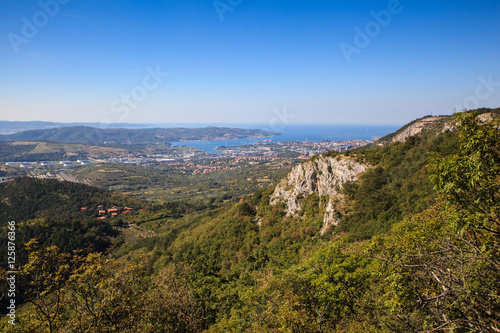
{"x": 85, "y": 134}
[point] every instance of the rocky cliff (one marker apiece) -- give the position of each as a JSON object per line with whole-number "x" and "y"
{"x": 414, "y": 129}
{"x": 324, "y": 176}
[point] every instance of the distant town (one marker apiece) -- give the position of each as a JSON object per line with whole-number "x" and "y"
{"x": 191, "y": 160}
{"x": 305, "y": 149}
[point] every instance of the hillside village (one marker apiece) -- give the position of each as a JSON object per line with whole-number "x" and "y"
{"x": 102, "y": 213}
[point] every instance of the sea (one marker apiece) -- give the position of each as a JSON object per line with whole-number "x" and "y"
{"x": 293, "y": 132}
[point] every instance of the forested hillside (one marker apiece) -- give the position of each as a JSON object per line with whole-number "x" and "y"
{"x": 415, "y": 249}
{"x": 84, "y": 134}
{"x": 27, "y": 198}
{"x": 59, "y": 213}
{"x": 56, "y": 213}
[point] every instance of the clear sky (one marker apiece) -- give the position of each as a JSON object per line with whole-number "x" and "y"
{"x": 246, "y": 61}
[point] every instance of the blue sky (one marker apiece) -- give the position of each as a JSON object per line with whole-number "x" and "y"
{"x": 246, "y": 61}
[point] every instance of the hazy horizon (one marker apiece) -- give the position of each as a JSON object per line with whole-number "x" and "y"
{"x": 203, "y": 123}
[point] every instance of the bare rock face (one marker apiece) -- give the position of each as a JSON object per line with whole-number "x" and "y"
{"x": 487, "y": 117}
{"x": 414, "y": 129}
{"x": 324, "y": 176}
{"x": 331, "y": 217}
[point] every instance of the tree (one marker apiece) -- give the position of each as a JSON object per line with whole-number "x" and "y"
{"x": 106, "y": 295}
{"x": 437, "y": 279}
{"x": 44, "y": 276}
{"x": 443, "y": 266}
{"x": 470, "y": 180}
{"x": 175, "y": 305}
{"x": 324, "y": 294}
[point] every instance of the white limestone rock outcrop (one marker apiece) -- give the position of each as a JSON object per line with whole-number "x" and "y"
{"x": 325, "y": 176}
{"x": 414, "y": 129}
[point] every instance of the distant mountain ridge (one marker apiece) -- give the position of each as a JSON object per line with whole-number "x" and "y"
{"x": 91, "y": 135}
{"x": 11, "y": 127}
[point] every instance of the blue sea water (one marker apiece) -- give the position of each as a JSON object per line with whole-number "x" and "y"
{"x": 298, "y": 133}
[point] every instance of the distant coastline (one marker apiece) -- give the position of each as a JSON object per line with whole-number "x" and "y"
{"x": 196, "y": 135}
{"x": 301, "y": 133}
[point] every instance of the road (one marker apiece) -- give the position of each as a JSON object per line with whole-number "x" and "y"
{"x": 68, "y": 177}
